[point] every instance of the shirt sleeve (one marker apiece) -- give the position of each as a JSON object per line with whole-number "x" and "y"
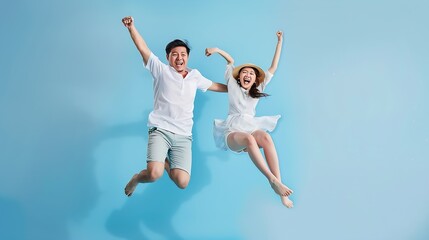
{"x": 267, "y": 79}
{"x": 154, "y": 65}
{"x": 203, "y": 83}
{"x": 228, "y": 72}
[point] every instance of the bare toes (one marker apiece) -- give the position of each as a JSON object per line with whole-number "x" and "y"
{"x": 287, "y": 202}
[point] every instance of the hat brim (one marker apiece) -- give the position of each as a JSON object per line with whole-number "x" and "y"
{"x": 236, "y": 71}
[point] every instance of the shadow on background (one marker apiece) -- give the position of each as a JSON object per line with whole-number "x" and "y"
{"x": 50, "y": 169}
{"x": 151, "y": 212}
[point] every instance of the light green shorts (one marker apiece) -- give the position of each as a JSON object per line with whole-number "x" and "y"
{"x": 165, "y": 144}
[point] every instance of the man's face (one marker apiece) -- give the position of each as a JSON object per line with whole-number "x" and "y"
{"x": 178, "y": 58}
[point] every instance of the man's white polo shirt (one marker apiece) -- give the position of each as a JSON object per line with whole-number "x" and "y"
{"x": 174, "y": 96}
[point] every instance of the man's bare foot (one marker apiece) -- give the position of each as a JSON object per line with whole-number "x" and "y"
{"x": 280, "y": 188}
{"x": 287, "y": 202}
{"x": 131, "y": 186}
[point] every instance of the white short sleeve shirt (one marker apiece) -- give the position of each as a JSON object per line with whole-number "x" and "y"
{"x": 174, "y": 96}
{"x": 239, "y": 100}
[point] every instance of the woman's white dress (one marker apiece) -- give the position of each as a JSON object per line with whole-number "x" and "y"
{"x": 241, "y": 115}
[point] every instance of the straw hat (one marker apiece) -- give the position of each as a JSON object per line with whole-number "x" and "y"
{"x": 259, "y": 80}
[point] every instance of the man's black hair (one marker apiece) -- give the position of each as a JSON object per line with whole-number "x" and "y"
{"x": 177, "y": 43}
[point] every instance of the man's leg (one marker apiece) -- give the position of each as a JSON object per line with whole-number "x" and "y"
{"x": 157, "y": 149}
{"x": 153, "y": 172}
{"x": 180, "y": 177}
{"x": 180, "y": 161}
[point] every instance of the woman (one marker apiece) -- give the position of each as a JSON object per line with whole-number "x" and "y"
{"x": 242, "y": 131}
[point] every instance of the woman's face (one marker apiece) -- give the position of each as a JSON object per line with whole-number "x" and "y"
{"x": 247, "y": 77}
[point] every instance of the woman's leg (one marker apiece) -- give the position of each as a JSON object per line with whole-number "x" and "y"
{"x": 237, "y": 141}
{"x": 265, "y": 141}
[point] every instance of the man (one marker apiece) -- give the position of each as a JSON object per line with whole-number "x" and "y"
{"x": 170, "y": 122}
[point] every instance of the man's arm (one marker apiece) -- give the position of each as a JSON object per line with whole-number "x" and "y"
{"x": 137, "y": 38}
{"x": 218, "y": 87}
{"x": 277, "y": 53}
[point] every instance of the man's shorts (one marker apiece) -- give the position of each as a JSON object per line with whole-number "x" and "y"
{"x": 177, "y": 148}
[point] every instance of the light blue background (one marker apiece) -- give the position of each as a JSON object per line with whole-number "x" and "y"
{"x": 352, "y": 87}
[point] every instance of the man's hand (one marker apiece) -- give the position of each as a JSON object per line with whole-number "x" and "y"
{"x": 128, "y": 21}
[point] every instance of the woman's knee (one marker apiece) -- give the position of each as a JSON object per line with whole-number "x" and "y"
{"x": 263, "y": 138}
{"x": 240, "y": 141}
{"x": 250, "y": 140}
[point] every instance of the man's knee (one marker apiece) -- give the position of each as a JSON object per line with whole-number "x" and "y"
{"x": 180, "y": 178}
{"x": 182, "y": 183}
{"x": 155, "y": 172}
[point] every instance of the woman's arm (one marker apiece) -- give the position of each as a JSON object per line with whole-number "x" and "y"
{"x": 219, "y": 87}
{"x": 277, "y": 53}
{"x": 228, "y": 58}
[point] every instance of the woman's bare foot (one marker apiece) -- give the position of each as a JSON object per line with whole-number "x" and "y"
{"x": 131, "y": 186}
{"x": 287, "y": 202}
{"x": 280, "y": 188}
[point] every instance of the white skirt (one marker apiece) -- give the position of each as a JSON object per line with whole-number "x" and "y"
{"x": 241, "y": 123}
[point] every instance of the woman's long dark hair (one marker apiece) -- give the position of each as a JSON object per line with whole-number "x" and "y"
{"x": 254, "y": 91}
